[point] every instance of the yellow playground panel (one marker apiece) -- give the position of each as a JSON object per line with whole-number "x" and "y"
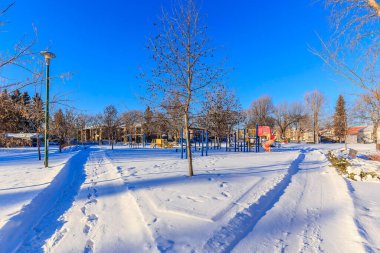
{"x": 160, "y": 143}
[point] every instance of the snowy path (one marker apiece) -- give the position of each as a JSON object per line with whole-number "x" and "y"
{"x": 315, "y": 214}
{"x": 104, "y": 218}
{"x": 27, "y": 230}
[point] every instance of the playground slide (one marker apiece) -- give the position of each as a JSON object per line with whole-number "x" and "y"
{"x": 266, "y": 145}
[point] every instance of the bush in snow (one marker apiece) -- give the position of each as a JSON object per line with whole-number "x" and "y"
{"x": 339, "y": 162}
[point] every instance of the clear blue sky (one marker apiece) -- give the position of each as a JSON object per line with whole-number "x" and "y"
{"x": 103, "y": 44}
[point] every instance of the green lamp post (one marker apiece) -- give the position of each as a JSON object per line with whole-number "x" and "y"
{"x": 48, "y": 56}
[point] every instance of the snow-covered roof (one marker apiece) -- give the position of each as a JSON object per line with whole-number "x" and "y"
{"x": 355, "y": 130}
{"x": 22, "y": 135}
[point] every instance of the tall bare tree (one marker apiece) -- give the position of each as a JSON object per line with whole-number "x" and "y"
{"x": 37, "y": 116}
{"x": 111, "y": 120}
{"x": 222, "y": 111}
{"x": 174, "y": 112}
{"x": 60, "y": 128}
{"x": 182, "y": 58}
{"x": 286, "y": 115}
{"x": 261, "y": 112}
{"x": 367, "y": 109}
{"x": 314, "y": 101}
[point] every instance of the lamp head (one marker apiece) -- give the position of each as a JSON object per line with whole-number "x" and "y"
{"x": 48, "y": 56}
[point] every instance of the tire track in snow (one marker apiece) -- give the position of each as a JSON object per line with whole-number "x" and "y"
{"x": 27, "y": 231}
{"x": 225, "y": 239}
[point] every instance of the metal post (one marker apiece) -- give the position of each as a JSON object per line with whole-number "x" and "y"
{"x": 244, "y": 142}
{"x": 46, "y": 160}
{"x": 48, "y": 56}
{"x": 187, "y": 138}
{"x": 235, "y": 140}
{"x": 206, "y": 142}
{"x": 257, "y": 138}
{"x": 181, "y": 140}
{"x": 203, "y": 140}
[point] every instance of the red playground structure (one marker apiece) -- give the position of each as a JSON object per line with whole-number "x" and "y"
{"x": 265, "y": 131}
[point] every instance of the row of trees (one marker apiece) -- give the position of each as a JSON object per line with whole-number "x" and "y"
{"x": 301, "y": 116}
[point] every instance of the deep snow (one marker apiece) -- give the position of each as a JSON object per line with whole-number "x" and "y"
{"x": 139, "y": 200}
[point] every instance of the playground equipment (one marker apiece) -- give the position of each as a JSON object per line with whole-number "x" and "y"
{"x": 267, "y": 144}
{"x": 135, "y": 140}
{"x": 200, "y": 137}
{"x": 161, "y": 143}
{"x": 265, "y": 131}
{"x": 243, "y": 140}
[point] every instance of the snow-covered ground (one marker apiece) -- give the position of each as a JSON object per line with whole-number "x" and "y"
{"x": 140, "y": 200}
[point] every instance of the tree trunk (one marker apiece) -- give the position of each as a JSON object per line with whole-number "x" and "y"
{"x": 375, "y": 136}
{"x": 316, "y": 130}
{"x": 188, "y": 146}
{"x": 374, "y": 131}
{"x": 109, "y": 135}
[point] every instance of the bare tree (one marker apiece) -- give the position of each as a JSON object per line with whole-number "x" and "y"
{"x": 174, "y": 112}
{"x": 59, "y": 128}
{"x": 261, "y": 112}
{"x": 314, "y": 101}
{"x": 182, "y": 62}
{"x": 37, "y": 117}
{"x": 98, "y": 122}
{"x": 367, "y": 109}
{"x": 286, "y": 115}
{"x": 81, "y": 122}
{"x": 222, "y": 111}
{"x": 111, "y": 120}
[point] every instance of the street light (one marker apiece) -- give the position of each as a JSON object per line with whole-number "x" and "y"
{"x": 48, "y": 56}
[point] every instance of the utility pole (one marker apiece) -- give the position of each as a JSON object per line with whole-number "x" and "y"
{"x": 48, "y": 56}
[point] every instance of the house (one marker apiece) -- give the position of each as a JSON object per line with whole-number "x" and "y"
{"x": 359, "y": 134}
{"x": 19, "y": 139}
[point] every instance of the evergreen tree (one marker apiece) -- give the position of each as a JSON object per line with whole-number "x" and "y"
{"x": 340, "y": 119}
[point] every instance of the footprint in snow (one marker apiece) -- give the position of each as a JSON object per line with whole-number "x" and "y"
{"x": 153, "y": 221}
{"x": 226, "y": 194}
{"x": 92, "y": 201}
{"x": 223, "y": 184}
{"x": 86, "y": 229}
{"x": 89, "y": 248}
{"x": 92, "y": 218}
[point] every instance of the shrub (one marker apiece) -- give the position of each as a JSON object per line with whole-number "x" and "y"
{"x": 340, "y": 163}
